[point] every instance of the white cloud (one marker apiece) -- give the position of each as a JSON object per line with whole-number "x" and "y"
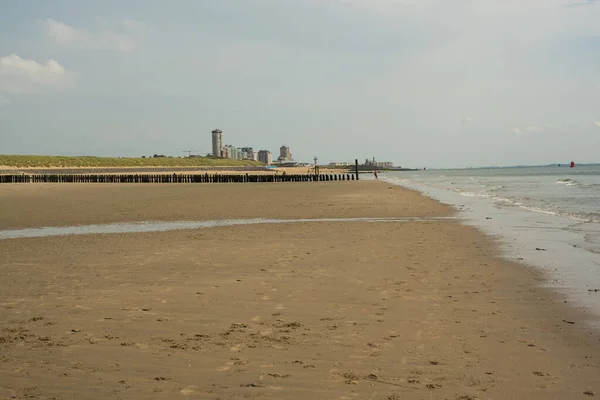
{"x": 3, "y": 101}
{"x": 528, "y": 129}
{"x": 597, "y": 123}
{"x": 61, "y": 32}
{"x": 18, "y": 75}
{"x": 133, "y": 26}
{"x": 125, "y": 39}
{"x": 534, "y": 129}
{"x": 468, "y": 120}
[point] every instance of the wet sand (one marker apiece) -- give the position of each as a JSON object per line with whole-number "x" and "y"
{"x": 328, "y": 310}
{"x": 34, "y": 205}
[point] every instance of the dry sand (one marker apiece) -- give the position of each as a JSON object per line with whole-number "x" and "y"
{"x": 419, "y": 310}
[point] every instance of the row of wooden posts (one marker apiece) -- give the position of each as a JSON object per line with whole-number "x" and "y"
{"x": 173, "y": 178}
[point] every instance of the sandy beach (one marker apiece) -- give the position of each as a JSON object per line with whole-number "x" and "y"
{"x": 324, "y": 310}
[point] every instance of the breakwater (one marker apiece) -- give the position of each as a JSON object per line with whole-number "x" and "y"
{"x": 173, "y": 178}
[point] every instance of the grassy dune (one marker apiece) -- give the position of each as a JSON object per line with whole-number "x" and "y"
{"x": 21, "y": 161}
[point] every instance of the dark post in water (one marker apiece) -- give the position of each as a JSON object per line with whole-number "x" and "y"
{"x": 356, "y": 167}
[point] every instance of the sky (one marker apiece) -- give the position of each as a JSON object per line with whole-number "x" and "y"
{"x": 421, "y": 83}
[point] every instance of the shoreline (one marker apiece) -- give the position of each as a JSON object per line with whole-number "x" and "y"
{"x": 412, "y": 310}
{"x": 534, "y": 240}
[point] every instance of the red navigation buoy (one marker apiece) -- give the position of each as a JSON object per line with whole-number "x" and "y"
{"x": 572, "y": 164}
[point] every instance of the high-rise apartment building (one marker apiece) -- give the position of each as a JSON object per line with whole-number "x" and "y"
{"x": 247, "y": 153}
{"x": 217, "y": 142}
{"x": 225, "y": 152}
{"x": 232, "y": 152}
{"x": 265, "y": 157}
{"x": 285, "y": 154}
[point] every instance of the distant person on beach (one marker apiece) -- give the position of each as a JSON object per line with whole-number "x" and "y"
{"x": 375, "y": 173}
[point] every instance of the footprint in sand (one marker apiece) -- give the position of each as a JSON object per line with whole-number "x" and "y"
{"x": 188, "y": 390}
{"x": 225, "y": 367}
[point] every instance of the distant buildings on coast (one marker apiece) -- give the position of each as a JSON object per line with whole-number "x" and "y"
{"x": 247, "y": 153}
{"x": 217, "y": 142}
{"x": 378, "y": 164}
{"x": 265, "y": 157}
{"x": 285, "y": 154}
{"x": 367, "y": 163}
{"x": 285, "y": 158}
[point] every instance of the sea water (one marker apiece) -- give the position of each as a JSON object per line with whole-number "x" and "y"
{"x": 547, "y": 217}
{"x": 164, "y": 226}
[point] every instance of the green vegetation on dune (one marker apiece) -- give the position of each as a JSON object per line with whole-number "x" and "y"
{"x": 21, "y": 161}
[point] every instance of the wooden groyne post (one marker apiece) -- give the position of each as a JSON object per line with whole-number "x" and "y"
{"x": 356, "y": 167}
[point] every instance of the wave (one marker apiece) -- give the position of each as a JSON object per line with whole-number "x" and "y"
{"x": 474, "y": 194}
{"x": 494, "y": 192}
{"x": 525, "y": 204}
{"x": 555, "y": 211}
{"x": 595, "y": 186}
{"x": 572, "y": 182}
{"x": 567, "y": 182}
{"x": 590, "y": 217}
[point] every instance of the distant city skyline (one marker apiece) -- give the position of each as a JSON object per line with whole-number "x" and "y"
{"x": 245, "y": 153}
